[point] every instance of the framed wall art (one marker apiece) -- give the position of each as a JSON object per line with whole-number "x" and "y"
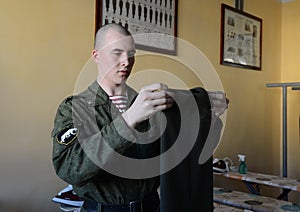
{"x": 153, "y": 23}
{"x": 241, "y": 39}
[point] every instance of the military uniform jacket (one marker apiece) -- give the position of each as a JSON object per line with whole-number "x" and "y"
{"x": 88, "y": 131}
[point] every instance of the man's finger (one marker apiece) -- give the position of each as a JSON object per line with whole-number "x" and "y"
{"x": 155, "y": 87}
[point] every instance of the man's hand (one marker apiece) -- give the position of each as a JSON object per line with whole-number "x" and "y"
{"x": 219, "y": 102}
{"x": 150, "y": 100}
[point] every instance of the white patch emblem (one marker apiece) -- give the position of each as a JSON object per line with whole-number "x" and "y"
{"x": 66, "y": 137}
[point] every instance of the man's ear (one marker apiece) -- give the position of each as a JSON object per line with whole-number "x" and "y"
{"x": 95, "y": 56}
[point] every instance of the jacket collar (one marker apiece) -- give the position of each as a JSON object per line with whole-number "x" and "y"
{"x": 100, "y": 97}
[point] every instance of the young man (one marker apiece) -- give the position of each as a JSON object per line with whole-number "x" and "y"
{"x": 103, "y": 117}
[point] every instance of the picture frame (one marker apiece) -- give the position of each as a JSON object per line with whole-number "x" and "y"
{"x": 153, "y": 23}
{"x": 241, "y": 39}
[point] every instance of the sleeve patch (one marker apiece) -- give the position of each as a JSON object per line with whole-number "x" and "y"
{"x": 67, "y": 136}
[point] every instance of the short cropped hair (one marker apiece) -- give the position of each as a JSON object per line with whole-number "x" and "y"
{"x": 101, "y": 33}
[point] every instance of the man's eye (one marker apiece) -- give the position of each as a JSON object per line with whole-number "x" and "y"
{"x": 131, "y": 53}
{"x": 117, "y": 53}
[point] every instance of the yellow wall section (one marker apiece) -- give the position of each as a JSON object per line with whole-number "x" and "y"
{"x": 253, "y": 126}
{"x": 290, "y": 73}
{"x": 45, "y": 45}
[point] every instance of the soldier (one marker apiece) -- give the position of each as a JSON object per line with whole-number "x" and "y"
{"x": 85, "y": 121}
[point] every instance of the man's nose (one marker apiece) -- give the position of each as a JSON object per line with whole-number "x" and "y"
{"x": 125, "y": 59}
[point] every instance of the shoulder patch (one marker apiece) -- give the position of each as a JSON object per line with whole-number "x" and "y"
{"x": 67, "y": 136}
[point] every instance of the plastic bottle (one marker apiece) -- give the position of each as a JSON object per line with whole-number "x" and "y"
{"x": 242, "y": 167}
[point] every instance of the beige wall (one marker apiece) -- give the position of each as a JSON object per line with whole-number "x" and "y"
{"x": 253, "y": 126}
{"x": 45, "y": 44}
{"x": 290, "y": 73}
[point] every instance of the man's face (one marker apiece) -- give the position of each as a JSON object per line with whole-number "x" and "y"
{"x": 115, "y": 59}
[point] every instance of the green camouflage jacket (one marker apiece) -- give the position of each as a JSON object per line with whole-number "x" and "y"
{"x": 88, "y": 131}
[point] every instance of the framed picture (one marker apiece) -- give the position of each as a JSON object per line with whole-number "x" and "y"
{"x": 241, "y": 39}
{"x": 152, "y": 22}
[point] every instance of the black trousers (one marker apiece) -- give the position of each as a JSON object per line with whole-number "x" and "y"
{"x": 149, "y": 204}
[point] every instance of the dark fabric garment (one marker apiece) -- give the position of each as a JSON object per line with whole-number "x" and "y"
{"x": 149, "y": 204}
{"x": 189, "y": 186}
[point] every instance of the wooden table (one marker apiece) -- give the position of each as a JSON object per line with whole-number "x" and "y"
{"x": 219, "y": 207}
{"x": 253, "y": 180}
{"x": 251, "y": 202}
